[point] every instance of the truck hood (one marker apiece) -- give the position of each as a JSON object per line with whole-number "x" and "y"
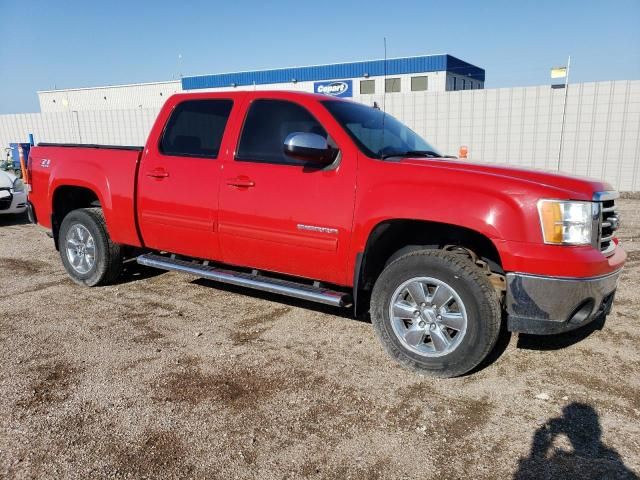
{"x": 574, "y": 187}
{"x": 6, "y": 179}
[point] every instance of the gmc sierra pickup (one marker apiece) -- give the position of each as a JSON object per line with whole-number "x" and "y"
{"x": 335, "y": 202}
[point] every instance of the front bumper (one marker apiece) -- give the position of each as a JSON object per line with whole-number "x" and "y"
{"x": 545, "y": 305}
{"x": 13, "y": 203}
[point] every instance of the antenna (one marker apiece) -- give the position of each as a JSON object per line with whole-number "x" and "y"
{"x": 384, "y": 92}
{"x": 384, "y": 89}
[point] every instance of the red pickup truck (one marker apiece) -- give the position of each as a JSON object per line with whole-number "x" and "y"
{"x": 336, "y": 202}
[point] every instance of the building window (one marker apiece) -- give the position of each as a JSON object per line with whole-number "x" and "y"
{"x": 463, "y": 84}
{"x": 392, "y": 85}
{"x": 367, "y": 87}
{"x": 195, "y": 128}
{"x": 419, "y": 84}
{"x": 455, "y": 83}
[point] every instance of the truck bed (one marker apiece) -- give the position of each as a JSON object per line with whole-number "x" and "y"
{"x": 107, "y": 171}
{"x": 92, "y": 145}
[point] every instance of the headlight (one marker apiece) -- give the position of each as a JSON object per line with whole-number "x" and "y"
{"x": 567, "y": 222}
{"x": 18, "y": 186}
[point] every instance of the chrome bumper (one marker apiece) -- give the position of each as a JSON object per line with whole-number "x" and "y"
{"x": 548, "y": 305}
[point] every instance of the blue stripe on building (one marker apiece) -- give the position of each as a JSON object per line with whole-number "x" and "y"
{"x": 372, "y": 68}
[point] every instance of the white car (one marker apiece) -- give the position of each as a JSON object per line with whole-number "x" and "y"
{"x": 13, "y": 195}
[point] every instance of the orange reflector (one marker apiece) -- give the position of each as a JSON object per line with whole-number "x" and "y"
{"x": 551, "y": 215}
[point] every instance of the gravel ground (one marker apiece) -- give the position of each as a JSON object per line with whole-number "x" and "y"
{"x": 164, "y": 376}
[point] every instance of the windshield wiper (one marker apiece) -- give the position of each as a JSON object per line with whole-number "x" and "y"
{"x": 412, "y": 153}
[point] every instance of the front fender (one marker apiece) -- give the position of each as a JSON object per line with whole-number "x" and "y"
{"x": 495, "y": 215}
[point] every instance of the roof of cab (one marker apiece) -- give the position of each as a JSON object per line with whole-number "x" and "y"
{"x": 252, "y": 94}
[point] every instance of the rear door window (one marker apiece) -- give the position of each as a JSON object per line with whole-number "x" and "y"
{"x": 195, "y": 128}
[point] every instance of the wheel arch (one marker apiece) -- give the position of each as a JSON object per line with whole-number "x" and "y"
{"x": 392, "y": 237}
{"x": 67, "y": 198}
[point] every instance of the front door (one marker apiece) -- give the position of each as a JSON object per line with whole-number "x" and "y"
{"x": 178, "y": 180}
{"x": 281, "y": 214}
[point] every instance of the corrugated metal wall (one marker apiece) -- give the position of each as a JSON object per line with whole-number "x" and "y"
{"x": 142, "y": 95}
{"x": 518, "y": 126}
{"x": 521, "y": 126}
{"x": 392, "y": 66}
{"x": 110, "y": 127}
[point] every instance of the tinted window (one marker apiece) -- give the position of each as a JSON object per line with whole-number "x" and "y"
{"x": 367, "y": 87}
{"x": 267, "y": 125}
{"x": 376, "y": 133}
{"x": 419, "y": 83}
{"x": 392, "y": 85}
{"x": 195, "y": 128}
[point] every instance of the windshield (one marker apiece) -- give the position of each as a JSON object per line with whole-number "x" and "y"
{"x": 376, "y": 134}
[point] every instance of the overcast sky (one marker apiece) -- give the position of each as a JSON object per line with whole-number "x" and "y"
{"x": 63, "y": 44}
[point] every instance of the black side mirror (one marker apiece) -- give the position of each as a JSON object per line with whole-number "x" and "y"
{"x": 309, "y": 147}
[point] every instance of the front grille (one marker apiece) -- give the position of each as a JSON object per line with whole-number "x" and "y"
{"x": 609, "y": 223}
{"x": 5, "y": 202}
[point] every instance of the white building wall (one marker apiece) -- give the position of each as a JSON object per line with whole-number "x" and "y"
{"x": 119, "y": 97}
{"x": 108, "y": 127}
{"x": 518, "y": 126}
{"x": 437, "y": 82}
{"x": 153, "y": 95}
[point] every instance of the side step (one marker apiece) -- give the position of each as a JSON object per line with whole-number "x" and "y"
{"x": 241, "y": 279}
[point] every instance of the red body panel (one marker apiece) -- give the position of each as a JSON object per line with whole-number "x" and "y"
{"x": 558, "y": 261}
{"x": 195, "y": 211}
{"x": 499, "y": 202}
{"x": 110, "y": 174}
{"x": 178, "y": 210}
{"x": 263, "y": 226}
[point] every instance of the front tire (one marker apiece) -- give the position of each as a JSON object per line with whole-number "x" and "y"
{"x": 86, "y": 250}
{"x": 435, "y": 312}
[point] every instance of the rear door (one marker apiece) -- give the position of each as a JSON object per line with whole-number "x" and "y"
{"x": 282, "y": 214}
{"x": 179, "y": 178}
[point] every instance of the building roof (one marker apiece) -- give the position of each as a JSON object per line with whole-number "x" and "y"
{"x": 371, "y": 68}
{"x": 167, "y": 82}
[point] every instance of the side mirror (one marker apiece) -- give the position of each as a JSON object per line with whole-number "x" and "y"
{"x": 309, "y": 147}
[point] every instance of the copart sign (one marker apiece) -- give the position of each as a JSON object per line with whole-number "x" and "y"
{"x": 335, "y": 88}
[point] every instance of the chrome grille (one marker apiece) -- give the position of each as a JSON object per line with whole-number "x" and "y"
{"x": 609, "y": 223}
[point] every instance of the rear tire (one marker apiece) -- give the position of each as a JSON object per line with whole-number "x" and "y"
{"x": 435, "y": 313}
{"x": 86, "y": 250}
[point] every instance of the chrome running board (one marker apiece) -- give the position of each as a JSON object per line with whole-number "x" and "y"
{"x": 313, "y": 293}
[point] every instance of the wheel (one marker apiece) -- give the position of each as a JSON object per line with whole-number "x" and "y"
{"x": 435, "y": 312}
{"x": 87, "y": 252}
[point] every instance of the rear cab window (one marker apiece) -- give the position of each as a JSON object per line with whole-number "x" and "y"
{"x": 195, "y": 128}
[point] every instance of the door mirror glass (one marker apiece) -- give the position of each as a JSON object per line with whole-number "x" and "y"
{"x": 309, "y": 147}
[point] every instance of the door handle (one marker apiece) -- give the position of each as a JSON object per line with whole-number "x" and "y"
{"x": 241, "y": 182}
{"x": 158, "y": 173}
